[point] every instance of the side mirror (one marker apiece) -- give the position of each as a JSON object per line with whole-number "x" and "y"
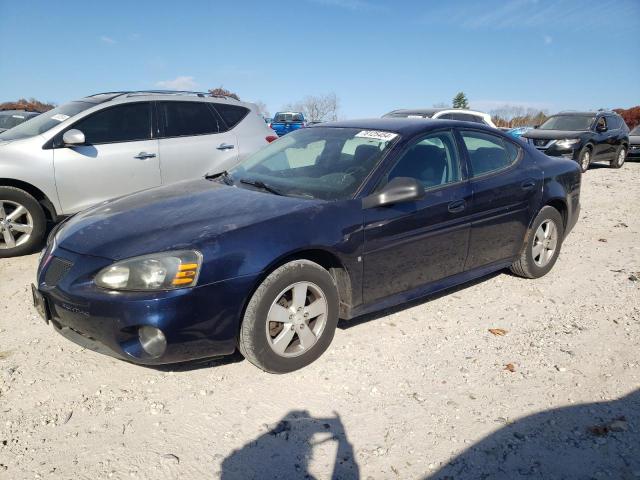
{"x": 398, "y": 190}
{"x": 73, "y": 137}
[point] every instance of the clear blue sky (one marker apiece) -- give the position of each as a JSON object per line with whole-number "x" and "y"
{"x": 375, "y": 55}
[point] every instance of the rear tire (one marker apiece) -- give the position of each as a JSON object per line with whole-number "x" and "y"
{"x": 621, "y": 155}
{"x": 541, "y": 251}
{"x": 22, "y": 222}
{"x": 584, "y": 159}
{"x": 291, "y": 318}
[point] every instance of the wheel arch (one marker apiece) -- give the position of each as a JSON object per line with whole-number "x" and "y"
{"x": 323, "y": 257}
{"x": 39, "y": 195}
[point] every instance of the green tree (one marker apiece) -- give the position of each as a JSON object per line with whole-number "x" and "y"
{"x": 460, "y": 101}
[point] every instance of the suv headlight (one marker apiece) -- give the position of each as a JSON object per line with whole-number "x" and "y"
{"x": 568, "y": 142}
{"x": 158, "y": 271}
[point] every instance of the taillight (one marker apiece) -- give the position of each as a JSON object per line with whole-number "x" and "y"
{"x": 270, "y": 138}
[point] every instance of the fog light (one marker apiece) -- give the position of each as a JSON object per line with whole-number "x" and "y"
{"x": 152, "y": 340}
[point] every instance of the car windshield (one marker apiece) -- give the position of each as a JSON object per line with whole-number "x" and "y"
{"x": 320, "y": 162}
{"x": 288, "y": 117}
{"x": 635, "y": 131}
{"x": 45, "y": 121}
{"x": 573, "y": 123}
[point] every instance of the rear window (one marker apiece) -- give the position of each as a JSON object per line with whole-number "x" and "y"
{"x": 187, "y": 119}
{"x": 288, "y": 117}
{"x": 231, "y": 114}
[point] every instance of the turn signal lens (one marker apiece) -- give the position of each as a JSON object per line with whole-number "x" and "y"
{"x": 161, "y": 271}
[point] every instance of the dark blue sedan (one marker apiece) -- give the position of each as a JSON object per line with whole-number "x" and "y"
{"x": 332, "y": 221}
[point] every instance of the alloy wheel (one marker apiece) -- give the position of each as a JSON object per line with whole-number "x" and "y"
{"x": 296, "y": 319}
{"x": 621, "y": 157}
{"x": 545, "y": 243}
{"x": 16, "y": 224}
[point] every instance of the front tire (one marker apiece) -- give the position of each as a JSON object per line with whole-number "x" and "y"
{"x": 621, "y": 155}
{"x": 291, "y": 318}
{"x": 543, "y": 244}
{"x": 22, "y": 222}
{"x": 584, "y": 159}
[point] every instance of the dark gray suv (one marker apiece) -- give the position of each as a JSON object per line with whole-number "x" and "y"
{"x": 583, "y": 136}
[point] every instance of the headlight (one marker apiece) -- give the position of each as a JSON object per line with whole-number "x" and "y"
{"x": 158, "y": 271}
{"x": 567, "y": 142}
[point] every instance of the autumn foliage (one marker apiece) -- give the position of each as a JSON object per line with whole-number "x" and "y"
{"x": 223, "y": 92}
{"x": 31, "y": 105}
{"x": 631, "y": 115}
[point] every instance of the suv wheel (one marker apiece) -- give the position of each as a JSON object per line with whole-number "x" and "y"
{"x": 22, "y": 222}
{"x": 541, "y": 251}
{"x": 291, "y": 318}
{"x": 584, "y": 159}
{"x": 621, "y": 155}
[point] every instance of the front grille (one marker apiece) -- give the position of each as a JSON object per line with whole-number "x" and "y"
{"x": 56, "y": 271}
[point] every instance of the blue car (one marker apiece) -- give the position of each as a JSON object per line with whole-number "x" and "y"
{"x": 287, "y": 122}
{"x": 519, "y": 131}
{"x": 332, "y": 221}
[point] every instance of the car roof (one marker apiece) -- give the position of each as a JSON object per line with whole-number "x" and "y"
{"x": 585, "y": 113}
{"x": 176, "y": 95}
{"x": 416, "y": 111}
{"x": 403, "y": 126}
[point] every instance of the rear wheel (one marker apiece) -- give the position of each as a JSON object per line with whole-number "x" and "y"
{"x": 584, "y": 159}
{"x": 22, "y": 222}
{"x": 621, "y": 155}
{"x": 541, "y": 251}
{"x": 291, "y": 318}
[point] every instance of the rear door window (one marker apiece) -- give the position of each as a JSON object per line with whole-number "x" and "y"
{"x": 231, "y": 114}
{"x": 122, "y": 123}
{"x": 180, "y": 119}
{"x": 488, "y": 153}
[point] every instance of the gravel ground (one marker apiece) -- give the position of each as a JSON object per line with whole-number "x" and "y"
{"x": 420, "y": 392}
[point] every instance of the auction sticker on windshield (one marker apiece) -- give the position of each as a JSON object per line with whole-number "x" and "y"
{"x": 59, "y": 117}
{"x": 377, "y": 135}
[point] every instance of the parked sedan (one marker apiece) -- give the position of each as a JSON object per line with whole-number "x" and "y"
{"x": 332, "y": 221}
{"x": 634, "y": 144}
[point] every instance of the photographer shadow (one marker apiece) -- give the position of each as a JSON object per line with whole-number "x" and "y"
{"x": 286, "y": 450}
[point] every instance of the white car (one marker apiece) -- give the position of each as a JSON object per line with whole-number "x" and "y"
{"x": 443, "y": 114}
{"x": 112, "y": 144}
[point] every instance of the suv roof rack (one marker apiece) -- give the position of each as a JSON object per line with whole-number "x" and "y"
{"x": 132, "y": 93}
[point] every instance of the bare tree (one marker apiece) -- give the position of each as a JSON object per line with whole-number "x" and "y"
{"x": 262, "y": 108}
{"x": 321, "y": 108}
{"x": 517, "y": 116}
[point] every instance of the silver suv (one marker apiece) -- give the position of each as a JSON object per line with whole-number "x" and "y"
{"x": 111, "y": 144}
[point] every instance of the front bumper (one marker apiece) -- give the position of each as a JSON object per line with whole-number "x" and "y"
{"x": 634, "y": 151}
{"x": 198, "y": 322}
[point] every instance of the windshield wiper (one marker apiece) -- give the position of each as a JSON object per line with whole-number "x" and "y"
{"x": 224, "y": 175}
{"x": 262, "y": 185}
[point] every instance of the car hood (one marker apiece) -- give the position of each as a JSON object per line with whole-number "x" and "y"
{"x": 178, "y": 216}
{"x": 552, "y": 134}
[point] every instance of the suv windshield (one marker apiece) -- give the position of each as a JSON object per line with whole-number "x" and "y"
{"x": 11, "y": 119}
{"x": 321, "y": 162}
{"x": 568, "y": 122}
{"x": 288, "y": 117}
{"x": 45, "y": 121}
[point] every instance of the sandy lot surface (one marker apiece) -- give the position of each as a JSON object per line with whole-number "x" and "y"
{"x": 419, "y": 392}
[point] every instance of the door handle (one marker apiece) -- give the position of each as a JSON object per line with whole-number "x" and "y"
{"x": 457, "y": 206}
{"x": 225, "y": 146}
{"x": 144, "y": 155}
{"x": 528, "y": 185}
